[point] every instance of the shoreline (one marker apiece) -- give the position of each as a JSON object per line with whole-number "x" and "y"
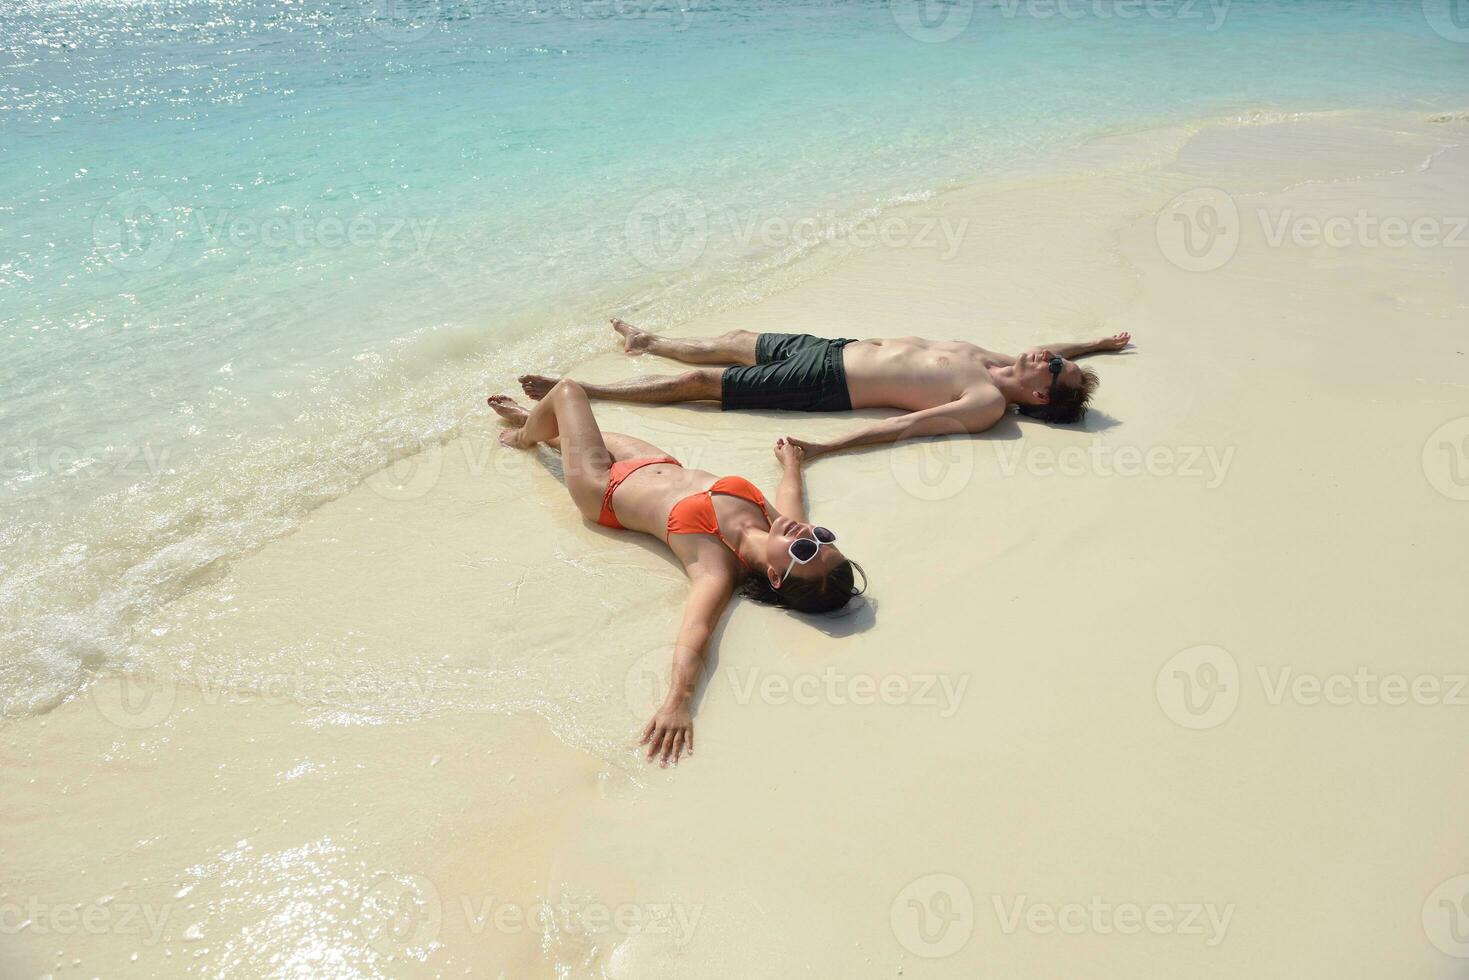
{"x": 99, "y": 632}
{"x": 1051, "y": 608}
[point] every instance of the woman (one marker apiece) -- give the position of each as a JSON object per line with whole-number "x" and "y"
{"x": 721, "y": 528}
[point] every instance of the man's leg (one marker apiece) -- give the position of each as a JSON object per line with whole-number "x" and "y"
{"x": 653, "y": 389}
{"x": 734, "y": 347}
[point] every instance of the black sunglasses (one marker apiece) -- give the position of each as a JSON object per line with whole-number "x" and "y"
{"x": 1055, "y": 365}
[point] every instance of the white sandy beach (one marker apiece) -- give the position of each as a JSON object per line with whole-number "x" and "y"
{"x": 1177, "y": 693}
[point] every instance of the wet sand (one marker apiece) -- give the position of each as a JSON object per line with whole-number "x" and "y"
{"x": 1178, "y": 692}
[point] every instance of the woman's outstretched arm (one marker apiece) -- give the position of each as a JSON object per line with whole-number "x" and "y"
{"x": 788, "y": 495}
{"x": 670, "y": 733}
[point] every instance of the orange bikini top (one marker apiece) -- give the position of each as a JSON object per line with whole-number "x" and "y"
{"x": 694, "y": 514}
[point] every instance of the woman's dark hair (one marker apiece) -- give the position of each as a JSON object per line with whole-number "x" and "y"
{"x": 808, "y": 595}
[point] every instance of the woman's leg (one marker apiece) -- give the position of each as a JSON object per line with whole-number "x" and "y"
{"x": 564, "y": 420}
{"x": 619, "y": 445}
{"x": 628, "y": 447}
{"x": 511, "y": 411}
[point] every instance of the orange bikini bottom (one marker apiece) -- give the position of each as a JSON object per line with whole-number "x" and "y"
{"x": 621, "y": 470}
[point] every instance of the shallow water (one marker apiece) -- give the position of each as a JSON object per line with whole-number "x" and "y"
{"x": 251, "y": 252}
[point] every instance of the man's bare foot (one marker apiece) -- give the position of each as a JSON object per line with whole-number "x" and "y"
{"x": 536, "y": 386}
{"x": 507, "y": 409}
{"x": 634, "y": 341}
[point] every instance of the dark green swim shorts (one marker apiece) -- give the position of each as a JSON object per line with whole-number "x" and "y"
{"x": 795, "y": 372}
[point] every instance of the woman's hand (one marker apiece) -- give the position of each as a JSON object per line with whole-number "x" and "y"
{"x": 790, "y": 452}
{"x": 670, "y": 733}
{"x": 805, "y": 449}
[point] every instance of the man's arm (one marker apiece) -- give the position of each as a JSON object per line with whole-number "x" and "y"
{"x": 1072, "y": 351}
{"x": 788, "y": 493}
{"x": 973, "y": 411}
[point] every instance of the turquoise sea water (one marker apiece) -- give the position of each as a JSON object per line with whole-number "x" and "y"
{"x": 251, "y": 251}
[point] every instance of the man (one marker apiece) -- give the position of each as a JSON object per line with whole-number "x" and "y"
{"x": 943, "y": 387}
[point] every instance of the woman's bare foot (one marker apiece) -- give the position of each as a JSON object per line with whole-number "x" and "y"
{"x": 634, "y": 341}
{"x": 507, "y": 409}
{"x": 536, "y": 386}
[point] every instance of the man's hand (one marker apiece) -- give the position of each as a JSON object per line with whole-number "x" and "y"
{"x": 670, "y": 733}
{"x": 1115, "y": 342}
{"x": 788, "y": 452}
{"x": 808, "y": 450}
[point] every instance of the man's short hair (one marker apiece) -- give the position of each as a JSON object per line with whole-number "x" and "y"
{"x": 1068, "y": 402}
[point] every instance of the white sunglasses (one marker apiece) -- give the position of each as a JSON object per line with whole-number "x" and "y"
{"x": 804, "y": 550}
